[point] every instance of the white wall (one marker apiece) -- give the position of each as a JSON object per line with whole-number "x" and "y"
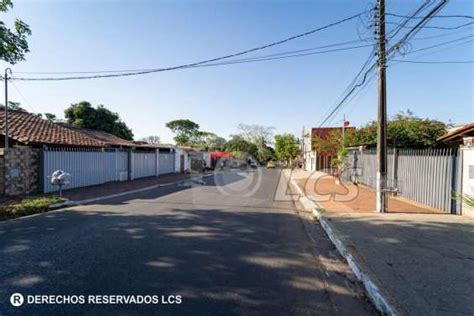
{"x": 180, "y": 152}
{"x": 468, "y": 177}
{"x": 310, "y": 161}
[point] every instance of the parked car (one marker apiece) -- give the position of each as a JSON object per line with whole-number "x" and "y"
{"x": 270, "y": 165}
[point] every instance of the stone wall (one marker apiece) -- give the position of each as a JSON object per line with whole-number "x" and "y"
{"x": 20, "y": 168}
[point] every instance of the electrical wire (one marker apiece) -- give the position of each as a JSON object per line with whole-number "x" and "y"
{"x": 147, "y": 69}
{"x": 22, "y": 96}
{"x": 434, "y": 62}
{"x": 434, "y": 26}
{"x": 392, "y": 49}
{"x": 439, "y": 44}
{"x": 231, "y": 62}
{"x": 437, "y": 16}
{"x": 200, "y": 62}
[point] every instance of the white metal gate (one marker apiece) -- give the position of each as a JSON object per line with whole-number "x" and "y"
{"x": 86, "y": 166}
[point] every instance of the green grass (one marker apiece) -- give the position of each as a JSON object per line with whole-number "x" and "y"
{"x": 28, "y": 206}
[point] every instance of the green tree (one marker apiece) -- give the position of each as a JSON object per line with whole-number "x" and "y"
{"x": 185, "y": 131}
{"x": 51, "y": 117}
{"x": 403, "y": 130}
{"x": 83, "y": 114}
{"x": 238, "y": 144}
{"x": 286, "y": 147}
{"x": 215, "y": 142}
{"x": 13, "y": 106}
{"x": 13, "y": 43}
{"x": 264, "y": 152}
{"x": 260, "y": 136}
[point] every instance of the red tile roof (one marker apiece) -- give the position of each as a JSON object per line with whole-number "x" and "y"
{"x": 28, "y": 128}
{"x": 104, "y": 137}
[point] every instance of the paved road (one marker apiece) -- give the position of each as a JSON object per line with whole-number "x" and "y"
{"x": 226, "y": 248}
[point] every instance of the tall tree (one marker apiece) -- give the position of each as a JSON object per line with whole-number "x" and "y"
{"x": 13, "y": 43}
{"x": 403, "y": 130}
{"x": 286, "y": 147}
{"x": 238, "y": 144}
{"x": 185, "y": 131}
{"x": 260, "y": 136}
{"x": 83, "y": 114}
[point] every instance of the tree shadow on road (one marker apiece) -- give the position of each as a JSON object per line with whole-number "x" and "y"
{"x": 222, "y": 262}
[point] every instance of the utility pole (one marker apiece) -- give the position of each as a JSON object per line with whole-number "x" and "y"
{"x": 7, "y": 70}
{"x": 381, "y": 200}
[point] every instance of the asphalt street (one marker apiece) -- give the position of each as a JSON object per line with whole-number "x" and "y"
{"x": 228, "y": 245}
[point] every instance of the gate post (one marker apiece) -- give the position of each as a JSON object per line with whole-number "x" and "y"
{"x": 395, "y": 172}
{"x": 130, "y": 163}
{"x": 157, "y": 162}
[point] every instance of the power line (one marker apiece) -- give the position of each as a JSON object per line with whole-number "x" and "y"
{"x": 437, "y": 16}
{"x": 408, "y": 18}
{"x": 327, "y": 114}
{"x": 250, "y": 58}
{"x": 440, "y": 44}
{"x": 230, "y": 62}
{"x": 340, "y": 103}
{"x": 441, "y": 35}
{"x": 434, "y": 26}
{"x": 392, "y": 49}
{"x": 434, "y": 62}
{"x": 443, "y": 49}
{"x": 22, "y": 96}
{"x": 200, "y": 62}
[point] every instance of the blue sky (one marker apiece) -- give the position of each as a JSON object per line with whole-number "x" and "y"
{"x": 286, "y": 94}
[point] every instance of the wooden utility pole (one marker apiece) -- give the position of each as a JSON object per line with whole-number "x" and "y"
{"x": 381, "y": 199}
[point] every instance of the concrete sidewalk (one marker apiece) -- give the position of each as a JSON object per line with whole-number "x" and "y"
{"x": 114, "y": 188}
{"x": 420, "y": 260}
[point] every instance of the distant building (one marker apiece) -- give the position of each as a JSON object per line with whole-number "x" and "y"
{"x": 454, "y": 136}
{"x": 312, "y": 159}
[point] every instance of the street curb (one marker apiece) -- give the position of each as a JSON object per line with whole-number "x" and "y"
{"x": 371, "y": 289}
{"x": 60, "y": 206}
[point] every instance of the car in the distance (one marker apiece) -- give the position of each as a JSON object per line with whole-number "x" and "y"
{"x": 270, "y": 165}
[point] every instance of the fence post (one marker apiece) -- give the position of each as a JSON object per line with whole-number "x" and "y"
{"x": 157, "y": 162}
{"x": 395, "y": 171}
{"x": 130, "y": 163}
{"x": 456, "y": 161}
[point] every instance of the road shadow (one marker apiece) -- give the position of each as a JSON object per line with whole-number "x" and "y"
{"x": 221, "y": 262}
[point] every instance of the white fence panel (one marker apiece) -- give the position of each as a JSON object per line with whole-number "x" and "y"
{"x": 166, "y": 163}
{"x": 87, "y": 167}
{"x": 144, "y": 165}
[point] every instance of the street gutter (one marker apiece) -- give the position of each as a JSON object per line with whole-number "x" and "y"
{"x": 373, "y": 291}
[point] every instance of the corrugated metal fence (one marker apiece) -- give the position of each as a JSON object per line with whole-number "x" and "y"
{"x": 427, "y": 176}
{"x": 166, "y": 163}
{"x": 96, "y": 166}
{"x": 144, "y": 164}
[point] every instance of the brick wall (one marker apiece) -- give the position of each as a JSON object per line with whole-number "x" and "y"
{"x": 20, "y": 170}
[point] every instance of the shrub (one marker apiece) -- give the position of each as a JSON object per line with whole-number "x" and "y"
{"x": 34, "y": 205}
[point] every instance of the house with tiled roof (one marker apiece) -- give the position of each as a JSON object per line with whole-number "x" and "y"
{"x": 32, "y": 130}
{"x": 38, "y": 147}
